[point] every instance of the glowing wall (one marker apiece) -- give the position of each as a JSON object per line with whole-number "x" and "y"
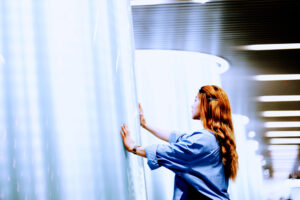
{"x": 66, "y": 86}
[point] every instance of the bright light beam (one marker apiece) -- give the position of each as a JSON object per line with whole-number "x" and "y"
{"x": 285, "y": 141}
{"x": 282, "y": 134}
{"x": 267, "y": 47}
{"x": 282, "y": 124}
{"x": 281, "y": 113}
{"x": 283, "y": 147}
{"x": 278, "y": 98}
{"x": 276, "y": 77}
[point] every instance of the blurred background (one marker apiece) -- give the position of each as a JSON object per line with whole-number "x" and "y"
{"x": 71, "y": 72}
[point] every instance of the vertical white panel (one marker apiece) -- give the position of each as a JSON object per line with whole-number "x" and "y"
{"x": 67, "y": 84}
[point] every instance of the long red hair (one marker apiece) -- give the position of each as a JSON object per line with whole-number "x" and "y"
{"x": 215, "y": 113}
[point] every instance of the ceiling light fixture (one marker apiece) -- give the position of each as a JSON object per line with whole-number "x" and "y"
{"x": 266, "y": 47}
{"x": 281, "y": 113}
{"x": 156, "y": 2}
{"x": 282, "y": 134}
{"x": 283, "y": 147}
{"x": 285, "y": 141}
{"x": 282, "y": 124}
{"x": 251, "y": 134}
{"x": 278, "y": 98}
{"x": 200, "y": 1}
{"x": 284, "y": 155}
{"x": 276, "y": 77}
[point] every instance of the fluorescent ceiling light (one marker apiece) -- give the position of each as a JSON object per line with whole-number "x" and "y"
{"x": 280, "y": 159}
{"x": 282, "y": 124}
{"x": 155, "y": 2}
{"x": 284, "y": 161}
{"x": 283, "y": 165}
{"x": 281, "y": 113}
{"x": 276, "y": 77}
{"x": 266, "y": 47}
{"x": 279, "y": 98}
{"x": 283, "y": 147}
{"x": 283, "y": 156}
{"x": 200, "y": 1}
{"x": 293, "y": 152}
{"x": 285, "y": 141}
{"x": 282, "y": 134}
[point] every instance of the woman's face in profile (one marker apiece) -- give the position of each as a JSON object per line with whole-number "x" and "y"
{"x": 196, "y": 108}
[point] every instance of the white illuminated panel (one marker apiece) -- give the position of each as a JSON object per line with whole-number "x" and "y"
{"x": 282, "y": 134}
{"x": 276, "y": 77}
{"x": 282, "y": 124}
{"x": 281, "y": 113}
{"x": 285, "y": 141}
{"x": 278, "y": 98}
{"x": 266, "y": 47}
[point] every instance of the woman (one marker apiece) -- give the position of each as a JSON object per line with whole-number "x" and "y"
{"x": 202, "y": 161}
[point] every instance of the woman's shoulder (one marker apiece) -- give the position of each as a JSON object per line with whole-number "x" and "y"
{"x": 206, "y": 137}
{"x": 203, "y": 133}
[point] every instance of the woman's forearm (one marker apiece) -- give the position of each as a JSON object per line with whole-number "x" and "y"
{"x": 161, "y": 134}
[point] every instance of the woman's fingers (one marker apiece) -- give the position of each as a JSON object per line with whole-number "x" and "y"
{"x": 141, "y": 110}
{"x": 125, "y": 130}
{"x": 122, "y": 134}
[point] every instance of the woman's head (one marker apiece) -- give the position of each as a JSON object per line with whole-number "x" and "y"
{"x": 212, "y": 107}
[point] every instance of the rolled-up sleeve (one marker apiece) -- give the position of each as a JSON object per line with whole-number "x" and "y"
{"x": 177, "y": 154}
{"x": 175, "y": 136}
{"x": 151, "y": 156}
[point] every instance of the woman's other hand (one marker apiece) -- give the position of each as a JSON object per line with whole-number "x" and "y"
{"x": 142, "y": 118}
{"x": 127, "y": 140}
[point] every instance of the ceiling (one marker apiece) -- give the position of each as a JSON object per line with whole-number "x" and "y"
{"x": 219, "y": 27}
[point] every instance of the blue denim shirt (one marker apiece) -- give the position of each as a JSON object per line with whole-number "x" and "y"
{"x": 196, "y": 161}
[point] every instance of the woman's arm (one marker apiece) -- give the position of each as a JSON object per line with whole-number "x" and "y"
{"x": 161, "y": 134}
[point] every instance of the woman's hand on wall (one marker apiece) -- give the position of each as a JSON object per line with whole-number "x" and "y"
{"x": 127, "y": 140}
